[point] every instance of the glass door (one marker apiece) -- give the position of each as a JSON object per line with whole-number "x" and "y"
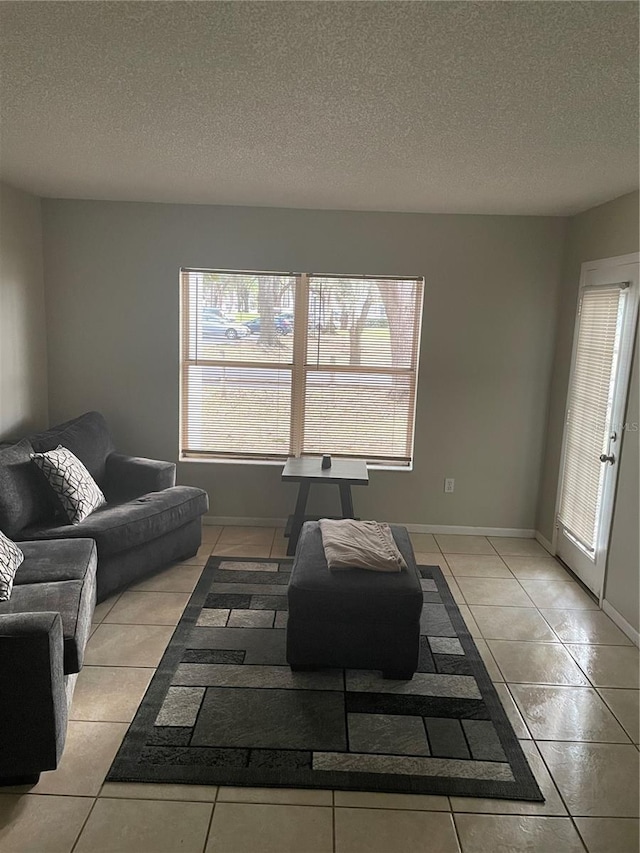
{"x": 598, "y": 386}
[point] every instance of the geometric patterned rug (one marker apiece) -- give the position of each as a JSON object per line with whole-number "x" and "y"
{"x": 225, "y": 709}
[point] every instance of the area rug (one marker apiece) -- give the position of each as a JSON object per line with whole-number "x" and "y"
{"x": 225, "y": 709}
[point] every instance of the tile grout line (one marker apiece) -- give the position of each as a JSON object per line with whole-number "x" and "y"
{"x": 553, "y": 781}
{"x": 154, "y": 592}
{"x": 557, "y": 787}
{"x": 218, "y": 535}
{"x": 84, "y": 824}
{"x": 115, "y": 796}
{"x": 492, "y": 545}
{"x": 518, "y": 709}
{"x": 210, "y": 823}
{"x": 524, "y": 590}
{"x": 118, "y": 596}
{"x": 610, "y": 709}
{"x": 144, "y": 624}
{"x": 455, "y": 830}
{"x": 393, "y": 809}
{"x": 7, "y": 792}
{"x": 582, "y": 840}
{"x": 581, "y": 668}
{"x": 109, "y": 665}
{"x": 333, "y": 820}
{"x": 581, "y": 742}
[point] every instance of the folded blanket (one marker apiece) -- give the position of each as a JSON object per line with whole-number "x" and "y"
{"x": 350, "y": 544}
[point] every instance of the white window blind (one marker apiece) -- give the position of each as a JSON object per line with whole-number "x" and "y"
{"x": 589, "y": 410}
{"x": 236, "y": 386}
{"x": 362, "y": 358}
{"x": 330, "y": 365}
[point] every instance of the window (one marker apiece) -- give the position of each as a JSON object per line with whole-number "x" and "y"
{"x": 282, "y": 364}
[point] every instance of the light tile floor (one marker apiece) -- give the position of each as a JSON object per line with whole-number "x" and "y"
{"x": 567, "y": 676}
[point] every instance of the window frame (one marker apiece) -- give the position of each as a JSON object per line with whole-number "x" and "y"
{"x": 299, "y": 370}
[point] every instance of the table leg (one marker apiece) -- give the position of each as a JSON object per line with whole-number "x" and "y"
{"x": 346, "y": 500}
{"x": 298, "y": 517}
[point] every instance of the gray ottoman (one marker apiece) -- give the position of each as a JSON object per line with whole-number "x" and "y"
{"x": 353, "y": 619}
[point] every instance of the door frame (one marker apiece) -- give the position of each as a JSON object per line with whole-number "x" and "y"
{"x": 623, "y": 376}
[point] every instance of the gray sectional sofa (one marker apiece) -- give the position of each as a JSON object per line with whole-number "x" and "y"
{"x": 147, "y": 522}
{"x": 44, "y": 628}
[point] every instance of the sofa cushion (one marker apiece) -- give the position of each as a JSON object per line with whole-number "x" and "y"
{"x": 75, "y": 488}
{"x": 74, "y": 599}
{"x": 87, "y": 437}
{"x": 119, "y": 527}
{"x": 24, "y": 496}
{"x": 54, "y": 560}
{"x": 10, "y": 558}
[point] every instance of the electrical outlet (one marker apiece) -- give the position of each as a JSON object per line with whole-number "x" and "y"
{"x": 449, "y": 483}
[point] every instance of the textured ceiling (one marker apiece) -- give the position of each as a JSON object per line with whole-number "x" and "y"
{"x": 508, "y": 107}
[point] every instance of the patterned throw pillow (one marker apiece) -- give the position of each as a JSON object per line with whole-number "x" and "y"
{"x": 10, "y": 558}
{"x": 74, "y": 486}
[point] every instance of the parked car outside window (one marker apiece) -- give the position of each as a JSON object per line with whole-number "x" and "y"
{"x": 283, "y": 325}
{"x": 216, "y": 325}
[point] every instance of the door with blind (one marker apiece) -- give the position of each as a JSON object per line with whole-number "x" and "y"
{"x": 594, "y": 423}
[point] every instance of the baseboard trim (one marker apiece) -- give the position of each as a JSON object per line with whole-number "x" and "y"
{"x": 548, "y": 546}
{"x": 621, "y": 622}
{"x": 461, "y": 530}
{"x": 244, "y": 521}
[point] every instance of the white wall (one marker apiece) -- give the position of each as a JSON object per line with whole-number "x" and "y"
{"x": 487, "y": 346}
{"x": 603, "y": 232}
{"x": 23, "y": 362}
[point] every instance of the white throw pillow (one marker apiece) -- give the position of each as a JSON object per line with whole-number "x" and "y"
{"x": 74, "y": 486}
{"x": 10, "y": 558}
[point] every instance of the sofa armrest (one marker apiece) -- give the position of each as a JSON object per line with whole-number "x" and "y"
{"x": 33, "y": 702}
{"x": 129, "y": 477}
